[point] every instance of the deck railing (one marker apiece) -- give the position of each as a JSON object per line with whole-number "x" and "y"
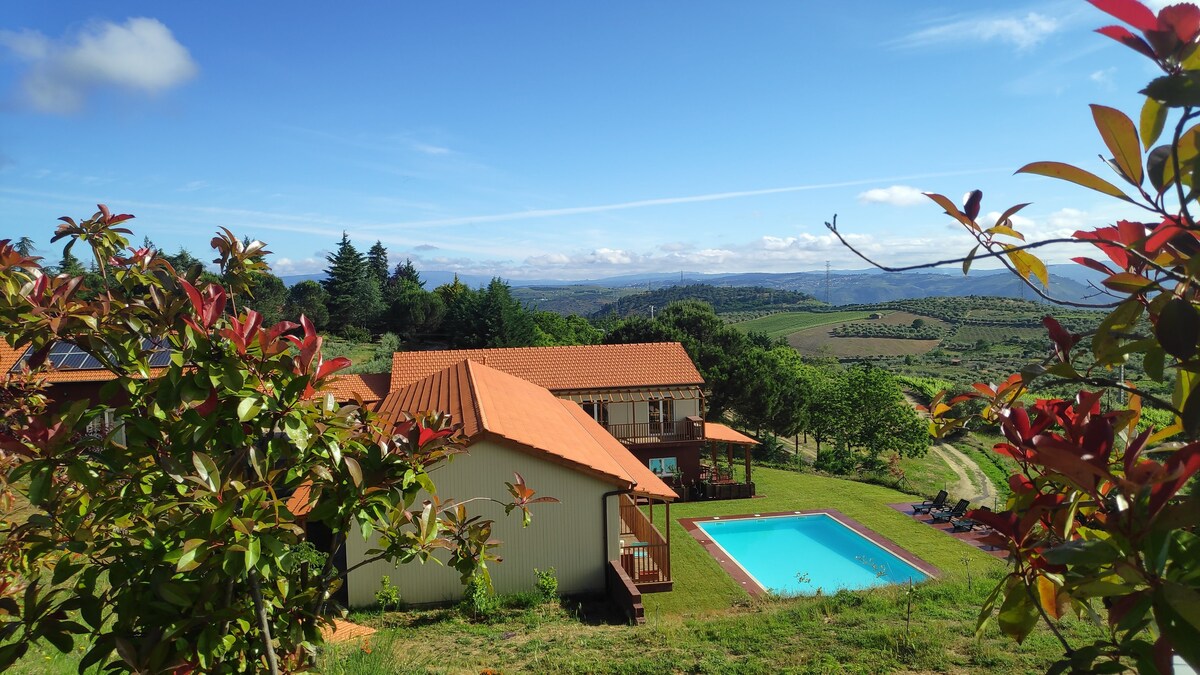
{"x": 658, "y": 432}
{"x": 646, "y": 556}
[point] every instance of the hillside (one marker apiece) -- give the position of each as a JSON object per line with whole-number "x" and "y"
{"x": 723, "y": 299}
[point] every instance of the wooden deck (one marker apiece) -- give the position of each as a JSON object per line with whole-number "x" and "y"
{"x": 645, "y": 553}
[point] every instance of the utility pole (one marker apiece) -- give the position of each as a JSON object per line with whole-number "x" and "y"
{"x": 651, "y": 311}
{"x": 827, "y": 282}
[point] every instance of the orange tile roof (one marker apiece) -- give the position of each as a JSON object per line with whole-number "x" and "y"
{"x": 371, "y": 387}
{"x": 580, "y": 367}
{"x": 723, "y": 434}
{"x": 496, "y": 405}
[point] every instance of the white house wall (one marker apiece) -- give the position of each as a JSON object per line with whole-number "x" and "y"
{"x": 565, "y": 536}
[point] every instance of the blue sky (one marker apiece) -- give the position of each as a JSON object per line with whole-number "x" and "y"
{"x": 551, "y": 139}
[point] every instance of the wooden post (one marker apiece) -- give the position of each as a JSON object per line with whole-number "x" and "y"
{"x": 667, "y": 525}
{"x": 748, "y": 464}
{"x": 729, "y": 458}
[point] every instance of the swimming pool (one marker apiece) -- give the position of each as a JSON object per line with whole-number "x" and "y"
{"x": 803, "y": 553}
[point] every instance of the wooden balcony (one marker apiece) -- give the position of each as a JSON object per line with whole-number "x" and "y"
{"x": 648, "y": 433}
{"x": 645, "y": 553}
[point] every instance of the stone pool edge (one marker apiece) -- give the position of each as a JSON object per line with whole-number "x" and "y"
{"x": 751, "y": 586}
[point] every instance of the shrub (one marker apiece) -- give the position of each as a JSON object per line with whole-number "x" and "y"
{"x": 389, "y": 343}
{"x": 388, "y": 596}
{"x": 547, "y": 583}
{"x": 356, "y": 333}
{"x": 479, "y": 599}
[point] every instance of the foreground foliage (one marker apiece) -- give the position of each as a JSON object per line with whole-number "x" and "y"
{"x": 164, "y": 529}
{"x": 1097, "y": 525}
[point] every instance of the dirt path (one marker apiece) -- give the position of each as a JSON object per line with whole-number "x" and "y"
{"x": 973, "y": 484}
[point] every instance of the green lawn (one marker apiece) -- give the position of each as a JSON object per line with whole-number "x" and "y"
{"x": 709, "y": 625}
{"x": 786, "y": 323}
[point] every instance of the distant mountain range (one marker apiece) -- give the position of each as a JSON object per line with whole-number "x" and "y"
{"x": 845, "y": 287}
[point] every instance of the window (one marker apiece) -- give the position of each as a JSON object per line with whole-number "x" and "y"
{"x": 597, "y": 410}
{"x": 101, "y": 425}
{"x": 664, "y": 466}
{"x": 662, "y": 415}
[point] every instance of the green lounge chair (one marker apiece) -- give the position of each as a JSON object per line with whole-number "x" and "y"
{"x": 929, "y": 504}
{"x": 945, "y": 515}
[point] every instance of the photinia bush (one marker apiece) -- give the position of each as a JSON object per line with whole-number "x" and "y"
{"x": 172, "y": 541}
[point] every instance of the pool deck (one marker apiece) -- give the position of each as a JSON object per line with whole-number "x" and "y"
{"x": 973, "y": 538}
{"x": 731, "y": 567}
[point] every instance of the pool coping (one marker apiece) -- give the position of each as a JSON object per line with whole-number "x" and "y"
{"x": 751, "y": 585}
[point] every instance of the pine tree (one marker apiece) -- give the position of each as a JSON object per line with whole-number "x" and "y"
{"x": 354, "y": 297}
{"x": 377, "y": 263}
{"x": 24, "y": 246}
{"x": 70, "y": 264}
{"x": 405, "y": 271}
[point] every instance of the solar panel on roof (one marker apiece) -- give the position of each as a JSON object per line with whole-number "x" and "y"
{"x": 66, "y": 356}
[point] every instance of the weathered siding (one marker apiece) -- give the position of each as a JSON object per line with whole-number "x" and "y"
{"x": 565, "y": 536}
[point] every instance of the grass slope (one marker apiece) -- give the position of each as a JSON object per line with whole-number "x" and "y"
{"x": 708, "y": 624}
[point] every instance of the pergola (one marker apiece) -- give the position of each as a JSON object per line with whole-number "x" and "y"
{"x": 715, "y": 433}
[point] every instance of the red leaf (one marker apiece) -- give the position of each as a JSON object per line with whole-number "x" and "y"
{"x": 1095, "y": 265}
{"x": 1163, "y": 235}
{"x": 1122, "y": 35}
{"x": 1130, "y": 11}
{"x": 331, "y": 366}
{"x": 193, "y": 296}
{"x": 1183, "y": 18}
{"x": 1179, "y": 467}
{"x": 971, "y": 208}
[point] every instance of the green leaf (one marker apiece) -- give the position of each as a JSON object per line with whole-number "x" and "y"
{"x": 62, "y": 641}
{"x": 222, "y": 513}
{"x": 1075, "y": 175}
{"x": 1174, "y": 91}
{"x": 1154, "y": 116}
{"x": 40, "y": 483}
{"x": 1154, "y": 362}
{"x": 1128, "y": 282}
{"x": 1082, "y": 552}
{"x": 248, "y": 408}
{"x": 355, "y": 471}
{"x": 206, "y": 468}
{"x": 1018, "y": 615}
{"x": 1178, "y": 328}
{"x": 173, "y": 592}
{"x": 970, "y": 259}
{"x": 1121, "y": 137}
{"x": 253, "y": 552}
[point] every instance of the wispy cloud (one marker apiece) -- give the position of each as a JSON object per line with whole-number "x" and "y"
{"x": 1020, "y": 31}
{"x": 661, "y": 201}
{"x": 140, "y": 55}
{"x": 896, "y": 195}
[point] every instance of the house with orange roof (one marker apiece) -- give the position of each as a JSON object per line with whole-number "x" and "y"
{"x": 649, "y": 396}
{"x": 596, "y": 537}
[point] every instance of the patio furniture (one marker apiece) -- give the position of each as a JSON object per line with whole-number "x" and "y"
{"x": 945, "y": 515}
{"x": 930, "y": 504}
{"x": 964, "y": 524}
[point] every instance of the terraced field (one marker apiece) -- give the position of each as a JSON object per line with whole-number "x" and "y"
{"x": 786, "y": 323}
{"x": 817, "y": 340}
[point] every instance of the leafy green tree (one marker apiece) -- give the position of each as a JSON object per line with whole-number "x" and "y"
{"x": 556, "y": 329}
{"x": 308, "y": 298}
{"x": 354, "y": 294}
{"x": 269, "y": 296}
{"x": 641, "y": 329}
{"x": 412, "y": 312}
{"x": 169, "y": 543}
{"x": 377, "y": 263}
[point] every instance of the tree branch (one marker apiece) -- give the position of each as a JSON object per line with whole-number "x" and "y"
{"x": 264, "y": 624}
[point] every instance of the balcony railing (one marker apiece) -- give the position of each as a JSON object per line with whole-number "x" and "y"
{"x": 658, "y": 432}
{"x": 645, "y": 554}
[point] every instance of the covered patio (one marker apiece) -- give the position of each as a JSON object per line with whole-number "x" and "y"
{"x": 720, "y": 480}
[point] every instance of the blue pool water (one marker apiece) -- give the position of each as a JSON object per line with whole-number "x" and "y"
{"x": 777, "y": 550}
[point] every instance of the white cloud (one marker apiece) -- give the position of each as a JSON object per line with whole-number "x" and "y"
{"x": 1021, "y": 32}
{"x": 1104, "y": 77}
{"x": 429, "y": 149}
{"x": 896, "y": 195}
{"x": 140, "y": 55}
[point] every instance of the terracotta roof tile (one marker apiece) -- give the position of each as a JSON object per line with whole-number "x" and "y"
{"x": 724, "y": 434}
{"x": 580, "y": 367}
{"x": 371, "y": 387}
{"x": 493, "y": 404}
